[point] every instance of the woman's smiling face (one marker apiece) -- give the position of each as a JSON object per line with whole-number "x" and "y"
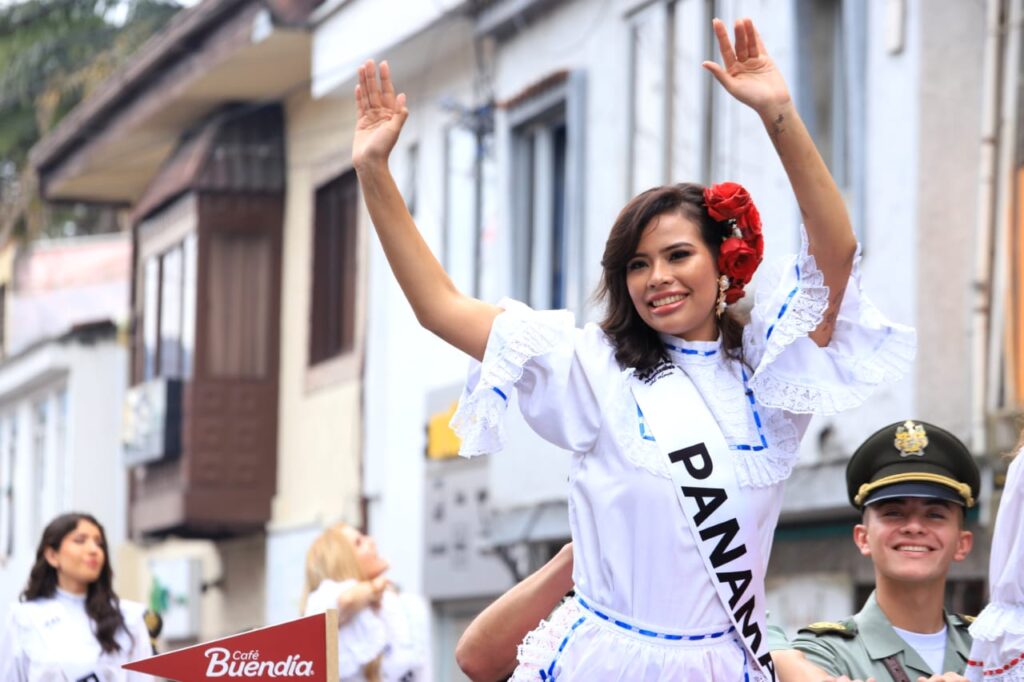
{"x": 673, "y": 279}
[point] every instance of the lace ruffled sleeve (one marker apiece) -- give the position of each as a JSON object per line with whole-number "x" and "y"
{"x": 361, "y": 639}
{"x": 795, "y": 374}
{"x": 998, "y": 631}
{"x": 533, "y": 355}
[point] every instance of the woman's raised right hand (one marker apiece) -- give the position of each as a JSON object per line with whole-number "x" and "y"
{"x": 381, "y": 115}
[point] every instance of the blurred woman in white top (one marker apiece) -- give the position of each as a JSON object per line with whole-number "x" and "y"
{"x": 69, "y": 623}
{"x": 381, "y": 633}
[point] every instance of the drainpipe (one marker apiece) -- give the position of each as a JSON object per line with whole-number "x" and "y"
{"x": 980, "y": 310}
{"x": 1004, "y": 204}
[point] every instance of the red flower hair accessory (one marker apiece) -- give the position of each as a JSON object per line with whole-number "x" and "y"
{"x": 743, "y": 248}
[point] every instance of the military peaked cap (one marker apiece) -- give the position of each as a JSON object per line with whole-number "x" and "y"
{"x": 912, "y": 459}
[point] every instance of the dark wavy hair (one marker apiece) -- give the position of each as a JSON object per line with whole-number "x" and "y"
{"x": 101, "y": 603}
{"x": 636, "y": 344}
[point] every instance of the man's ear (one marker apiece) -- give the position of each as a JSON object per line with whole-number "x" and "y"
{"x": 860, "y": 538}
{"x": 964, "y": 545}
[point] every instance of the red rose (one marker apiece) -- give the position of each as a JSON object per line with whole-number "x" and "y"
{"x": 727, "y": 200}
{"x": 756, "y": 242}
{"x": 749, "y": 222}
{"x": 733, "y": 294}
{"x": 738, "y": 260}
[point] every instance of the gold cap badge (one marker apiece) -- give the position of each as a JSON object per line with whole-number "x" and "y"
{"x": 911, "y": 439}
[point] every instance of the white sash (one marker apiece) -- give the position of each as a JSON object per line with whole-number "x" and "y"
{"x": 51, "y": 622}
{"x": 705, "y": 483}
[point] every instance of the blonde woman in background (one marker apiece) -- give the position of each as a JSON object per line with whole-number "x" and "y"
{"x": 380, "y": 632}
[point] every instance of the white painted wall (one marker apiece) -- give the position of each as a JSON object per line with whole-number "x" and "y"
{"x": 349, "y": 33}
{"x": 319, "y": 421}
{"x": 405, "y": 363}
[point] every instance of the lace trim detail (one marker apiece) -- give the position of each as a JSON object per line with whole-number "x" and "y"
{"x": 479, "y": 419}
{"x": 625, "y": 426}
{"x": 998, "y": 620}
{"x": 1014, "y": 674}
{"x": 1003, "y": 663}
{"x": 864, "y": 369}
{"x": 775, "y": 463}
{"x": 889, "y": 362}
{"x": 541, "y": 645}
{"x": 723, "y": 392}
{"x": 803, "y": 312}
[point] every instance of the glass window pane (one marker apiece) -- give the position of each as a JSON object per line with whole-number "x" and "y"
{"x": 170, "y": 313}
{"x": 188, "y": 317}
{"x": 40, "y": 422}
{"x": 649, "y": 34}
{"x": 150, "y": 321}
{"x": 460, "y": 205}
{"x": 7, "y": 436}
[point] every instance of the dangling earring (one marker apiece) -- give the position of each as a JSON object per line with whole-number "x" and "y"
{"x": 723, "y": 284}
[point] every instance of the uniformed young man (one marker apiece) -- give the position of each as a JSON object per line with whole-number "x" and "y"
{"x": 913, "y": 483}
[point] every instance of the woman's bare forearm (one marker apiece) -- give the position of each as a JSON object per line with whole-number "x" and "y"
{"x": 487, "y": 649}
{"x": 829, "y": 233}
{"x": 461, "y": 320}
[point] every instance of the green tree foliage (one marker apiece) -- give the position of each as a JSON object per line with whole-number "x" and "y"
{"x": 53, "y": 53}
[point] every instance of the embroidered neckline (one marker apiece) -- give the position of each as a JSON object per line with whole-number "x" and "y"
{"x": 687, "y": 352}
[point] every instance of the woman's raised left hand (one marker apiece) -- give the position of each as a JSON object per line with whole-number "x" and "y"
{"x": 747, "y": 72}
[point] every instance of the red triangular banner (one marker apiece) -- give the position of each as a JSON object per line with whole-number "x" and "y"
{"x": 303, "y": 650}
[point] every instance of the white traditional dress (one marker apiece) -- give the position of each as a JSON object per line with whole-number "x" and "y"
{"x": 646, "y": 609}
{"x": 52, "y": 640}
{"x": 998, "y": 650}
{"x": 395, "y": 631}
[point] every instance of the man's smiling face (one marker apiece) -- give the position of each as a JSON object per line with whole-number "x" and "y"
{"x": 913, "y": 539}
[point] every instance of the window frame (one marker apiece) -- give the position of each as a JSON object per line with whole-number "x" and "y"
{"x": 157, "y": 236}
{"x": 561, "y": 103}
{"x": 346, "y": 366}
{"x": 848, "y": 131}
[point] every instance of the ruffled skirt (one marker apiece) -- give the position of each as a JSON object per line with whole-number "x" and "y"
{"x": 582, "y": 641}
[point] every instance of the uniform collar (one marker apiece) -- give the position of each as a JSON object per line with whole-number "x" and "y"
{"x": 958, "y": 645}
{"x": 881, "y": 641}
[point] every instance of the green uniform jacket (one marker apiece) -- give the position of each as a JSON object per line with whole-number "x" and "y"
{"x": 857, "y": 647}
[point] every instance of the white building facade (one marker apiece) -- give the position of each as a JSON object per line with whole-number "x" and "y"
{"x": 61, "y": 394}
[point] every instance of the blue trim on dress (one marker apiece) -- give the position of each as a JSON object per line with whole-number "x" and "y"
{"x": 785, "y": 304}
{"x": 763, "y": 445}
{"x": 549, "y": 674}
{"x": 650, "y": 633}
{"x": 691, "y": 351}
{"x": 498, "y": 391}
{"x": 757, "y": 418}
{"x": 746, "y": 667}
{"x": 644, "y": 433}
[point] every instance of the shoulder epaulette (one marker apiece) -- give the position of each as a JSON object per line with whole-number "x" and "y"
{"x": 964, "y": 619}
{"x": 154, "y": 623}
{"x": 846, "y": 628}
